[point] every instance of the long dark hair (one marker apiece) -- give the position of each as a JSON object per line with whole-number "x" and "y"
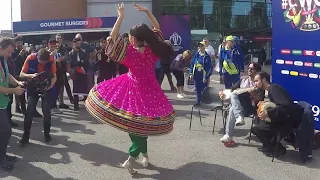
{"x": 143, "y": 33}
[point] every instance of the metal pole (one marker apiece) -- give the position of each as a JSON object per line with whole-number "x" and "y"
{"x": 11, "y": 15}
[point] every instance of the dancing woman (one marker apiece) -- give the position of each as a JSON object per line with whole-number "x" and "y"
{"x": 134, "y": 102}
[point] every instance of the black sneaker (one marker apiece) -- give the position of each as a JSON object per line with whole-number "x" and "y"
{"x": 47, "y": 138}
{"x": 63, "y": 106}
{"x": 10, "y": 159}
{"x": 76, "y": 108}
{"x": 23, "y": 142}
{"x": 6, "y": 166}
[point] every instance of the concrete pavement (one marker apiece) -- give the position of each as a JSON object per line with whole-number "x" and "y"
{"x": 84, "y": 149}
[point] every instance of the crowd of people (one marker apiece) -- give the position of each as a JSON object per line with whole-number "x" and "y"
{"x": 133, "y": 101}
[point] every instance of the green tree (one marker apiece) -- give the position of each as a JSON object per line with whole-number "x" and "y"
{"x": 221, "y": 16}
{"x": 259, "y": 15}
{"x": 240, "y": 22}
{"x": 196, "y": 16}
{"x": 173, "y": 7}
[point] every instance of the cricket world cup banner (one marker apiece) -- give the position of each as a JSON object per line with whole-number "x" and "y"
{"x": 176, "y": 28}
{"x": 296, "y": 50}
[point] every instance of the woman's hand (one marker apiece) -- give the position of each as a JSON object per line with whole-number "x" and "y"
{"x": 120, "y": 9}
{"x": 140, "y": 8}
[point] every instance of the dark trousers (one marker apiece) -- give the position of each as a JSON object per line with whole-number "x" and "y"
{"x": 265, "y": 133}
{"x": 159, "y": 75}
{"x": 5, "y": 133}
{"x": 68, "y": 89}
{"x": 9, "y": 108}
{"x": 76, "y": 101}
{"x": 198, "y": 83}
{"x": 21, "y": 102}
{"x": 165, "y": 70}
{"x": 230, "y": 80}
{"x": 58, "y": 87}
{"x": 122, "y": 69}
{"x": 46, "y": 107}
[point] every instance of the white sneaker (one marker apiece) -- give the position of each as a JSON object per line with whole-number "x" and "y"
{"x": 180, "y": 96}
{"x": 226, "y": 138}
{"x": 127, "y": 164}
{"x": 184, "y": 95}
{"x": 145, "y": 160}
{"x": 240, "y": 121}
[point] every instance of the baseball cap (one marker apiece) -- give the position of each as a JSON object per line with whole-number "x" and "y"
{"x": 202, "y": 42}
{"x": 230, "y": 38}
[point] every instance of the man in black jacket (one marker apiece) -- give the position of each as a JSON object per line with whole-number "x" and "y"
{"x": 243, "y": 104}
{"x": 107, "y": 68}
{"x": 62, "y": 66}
{"x": 283, "y": 118}
{"x": 80, "y": 64}
{"x": 18, "y": 57}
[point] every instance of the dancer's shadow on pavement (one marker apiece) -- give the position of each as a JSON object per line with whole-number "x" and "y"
{"x": 195, "y": 170}
{"x": 57, "y": 152}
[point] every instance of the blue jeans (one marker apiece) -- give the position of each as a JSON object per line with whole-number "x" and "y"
{"x": 235, "y": 111}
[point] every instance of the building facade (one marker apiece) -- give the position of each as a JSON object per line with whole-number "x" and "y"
{"x": 63, "y": 9}
{"x": 52, "y": 9}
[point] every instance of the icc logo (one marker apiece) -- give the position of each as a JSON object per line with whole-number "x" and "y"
{"x": 175, "y": 39}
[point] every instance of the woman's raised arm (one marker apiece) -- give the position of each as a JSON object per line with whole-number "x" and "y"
{"x": 153, "y": 20}
{"x": 116, "y": 27}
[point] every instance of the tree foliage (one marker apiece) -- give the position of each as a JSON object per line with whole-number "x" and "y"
{"x": 221, "y": 17}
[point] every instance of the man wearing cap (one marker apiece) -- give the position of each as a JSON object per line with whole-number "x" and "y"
{"x": 231, "y": 63}
{"x": 41, "y": 62}
{"x": 200, "y": 69}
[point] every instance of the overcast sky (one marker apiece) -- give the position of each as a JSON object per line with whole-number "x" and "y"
{"x": 5, "y": 13}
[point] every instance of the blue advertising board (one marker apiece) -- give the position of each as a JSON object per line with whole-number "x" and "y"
{"x": 296, "y": 51}
{"x": 64, "y": 24}
{"x": 176, "y": 28}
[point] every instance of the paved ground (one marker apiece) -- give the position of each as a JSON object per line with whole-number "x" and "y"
{"x": 84, "y": 149}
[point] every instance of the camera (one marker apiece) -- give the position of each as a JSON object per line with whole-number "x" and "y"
{"x": 40, "y": 83}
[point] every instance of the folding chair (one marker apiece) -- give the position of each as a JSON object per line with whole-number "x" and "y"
{"x": 210, "y": 100}
{"x": 253, "y": 116}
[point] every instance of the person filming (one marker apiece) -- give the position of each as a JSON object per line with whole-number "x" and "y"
{"x": 35, "y": 64}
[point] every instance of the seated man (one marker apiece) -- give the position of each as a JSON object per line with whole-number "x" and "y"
{"x": 283, "y": 118}
{"x": 243, "y": 104}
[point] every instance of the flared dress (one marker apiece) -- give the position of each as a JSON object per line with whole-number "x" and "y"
{"x": 133, "y": 102}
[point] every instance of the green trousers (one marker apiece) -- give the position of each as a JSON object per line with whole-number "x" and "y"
{"x": 139, "y": 145}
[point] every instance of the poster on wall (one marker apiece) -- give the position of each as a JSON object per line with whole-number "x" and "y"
{"x": 176, "y": 28}
{"x": 296, "y": 52}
